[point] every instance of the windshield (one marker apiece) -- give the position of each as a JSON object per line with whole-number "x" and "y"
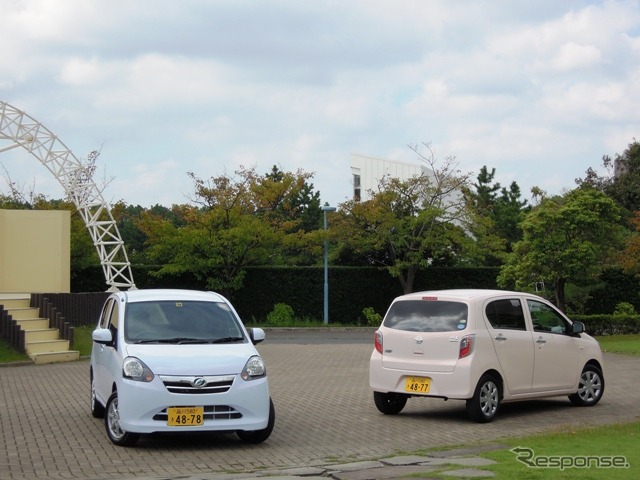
{"x": 180, "y": 322}
{"x": 427, "y": 316}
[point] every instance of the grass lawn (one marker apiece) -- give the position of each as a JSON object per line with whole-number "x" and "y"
{"x": 603, "y": 446}
{"x": 625, "y": 344}
{"x": 9, "y": 354}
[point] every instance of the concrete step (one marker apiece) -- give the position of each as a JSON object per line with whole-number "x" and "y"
{"x": 41, "y": 334}
{"x": 27, "y": 324}
{"x": 46, "y": 346}
{"x": 55, "y": 357}
{"x": 8, "y": 303}
{"x": 20, "y": 313}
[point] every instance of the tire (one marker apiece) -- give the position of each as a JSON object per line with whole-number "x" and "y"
{"x": 485, "y": 404}
{"x": 389, "y": 403}
{"x": 112, "y": 424}
{"x": 97, "y": 409}
{"x": 259, "y": 436}
{"x": 590, "y": 387}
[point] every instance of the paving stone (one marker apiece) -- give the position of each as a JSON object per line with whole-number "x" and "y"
{"x": 405, "y": 460}
{"x": 384, "y": 472}
{"x": 470, "y": 473}
{"x": 324, "y": 414}
{"x": 345, "y": 467}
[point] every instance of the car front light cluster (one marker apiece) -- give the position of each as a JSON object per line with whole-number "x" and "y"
{"x": 254, "y": 369}
{"x": 135, "y": 369}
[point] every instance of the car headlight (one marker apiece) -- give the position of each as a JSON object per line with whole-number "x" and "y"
{"x": 253, "y": 369}
{"x": 135, "y": 369}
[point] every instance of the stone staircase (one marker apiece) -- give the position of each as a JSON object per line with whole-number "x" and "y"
{"x": 43, "y": 343}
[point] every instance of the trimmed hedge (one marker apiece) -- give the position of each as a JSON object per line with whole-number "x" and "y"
{"x": 351, "y": 289}
{"x": 609, "y": 324}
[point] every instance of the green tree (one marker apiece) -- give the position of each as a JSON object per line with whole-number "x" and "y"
{"x": 569, "y": 238}
{"x": 409, "y": 224}
{"x": 498, "y": 213}
{"x": 621, "y": 180}
{"x": 241, "y": 220}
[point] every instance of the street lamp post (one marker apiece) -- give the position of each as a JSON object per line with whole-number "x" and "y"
{"x": 325, "y": 209}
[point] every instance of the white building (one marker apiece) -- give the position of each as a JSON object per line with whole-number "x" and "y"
{"x": 366, "y": 173}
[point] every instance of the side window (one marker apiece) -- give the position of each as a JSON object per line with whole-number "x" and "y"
{"x": 546, "y": 319}
{"x": 113, "y": 321}
{"x": 506, "y": 313}
{"x": 105, "y": 315}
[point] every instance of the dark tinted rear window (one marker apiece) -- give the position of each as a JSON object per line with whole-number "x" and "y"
{"x": 427, "y": 316}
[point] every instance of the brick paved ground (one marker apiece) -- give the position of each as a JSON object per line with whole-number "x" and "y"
{"x": 325, "y": 414}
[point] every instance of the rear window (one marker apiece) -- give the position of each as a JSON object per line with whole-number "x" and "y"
{"x": 427, "y": 316}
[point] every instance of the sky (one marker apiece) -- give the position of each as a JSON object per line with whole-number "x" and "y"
{"x": 540, "y": 90}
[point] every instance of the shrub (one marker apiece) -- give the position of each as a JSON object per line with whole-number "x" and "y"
{"x": 281, "y": 315}
{"x": 373, "y": 319}
{"x": 624, "y": 308}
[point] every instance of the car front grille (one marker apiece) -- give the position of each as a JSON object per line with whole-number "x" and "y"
{"x": 211, "y": 412}
{"x": 197, "y": 385}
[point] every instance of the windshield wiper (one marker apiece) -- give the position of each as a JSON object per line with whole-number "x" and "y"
{"x": 181, "y": 340}
{"x": 227, "y": 340}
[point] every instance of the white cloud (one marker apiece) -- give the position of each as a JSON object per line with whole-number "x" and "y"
{"x": 539, "y": 90}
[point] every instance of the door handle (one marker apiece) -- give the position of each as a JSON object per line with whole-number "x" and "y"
{"x": 541, "y": 340}
{"x": 500, "y": 337}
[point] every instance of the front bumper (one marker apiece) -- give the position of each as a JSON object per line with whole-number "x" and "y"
{"x": 143, "y": 406}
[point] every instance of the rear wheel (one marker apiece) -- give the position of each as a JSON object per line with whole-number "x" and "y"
{"x": 485, "y": 404}
{"x": 389, "y": 403}
{"x": 112, "y": 423}
{"x": 259, "y": 436}
{"x": 590, "y": 387}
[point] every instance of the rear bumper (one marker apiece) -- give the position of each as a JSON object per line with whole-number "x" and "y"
{"x": 457, "y": 384}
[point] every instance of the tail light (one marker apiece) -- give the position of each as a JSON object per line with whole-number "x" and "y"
{"x": 377, "y": 340}
{"x": 466, "y": 346}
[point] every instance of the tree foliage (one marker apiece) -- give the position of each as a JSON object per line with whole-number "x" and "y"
{"x": 498, "y": 212}
{"x": 409, "y": 224}
{"x": 566, "y": 238}
{"x": 237, "y": 221}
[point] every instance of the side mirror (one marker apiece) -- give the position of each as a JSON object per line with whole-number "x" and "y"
{"x": 102, "y": 336}
{"x": 256, "y": 335}
{"x": 577, "y": 327}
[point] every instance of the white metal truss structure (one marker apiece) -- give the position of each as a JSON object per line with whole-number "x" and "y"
{"x": 21, "y": 130}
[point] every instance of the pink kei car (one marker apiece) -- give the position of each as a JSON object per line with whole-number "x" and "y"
{"x": 486, "y": 347}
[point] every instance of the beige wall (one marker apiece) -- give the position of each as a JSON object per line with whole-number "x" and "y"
{"x": 35, "y": 251}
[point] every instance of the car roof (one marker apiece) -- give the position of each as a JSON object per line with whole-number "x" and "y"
{"x": 462, "y": 294}
{"x": 145, "y": 295}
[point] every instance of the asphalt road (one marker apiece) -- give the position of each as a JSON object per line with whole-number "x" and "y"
{"x": 325, "y": 414}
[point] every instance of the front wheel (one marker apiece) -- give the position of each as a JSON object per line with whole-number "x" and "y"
{"x": 259, "y": 436}
{"x": 485, "y": 404}
{"x": 389, "y": 403}
{"x": 97, "y": 409}
{"x": 112, "y": 423}
{"x": 590, "y": 387}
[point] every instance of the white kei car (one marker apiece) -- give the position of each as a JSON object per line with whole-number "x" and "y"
{"x": 482, "y": 346}
{"x": 177, "y": 361}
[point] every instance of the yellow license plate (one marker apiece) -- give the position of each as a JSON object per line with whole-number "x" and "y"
{"x": 185, "y": 416}
{"x": 417, "y": 384}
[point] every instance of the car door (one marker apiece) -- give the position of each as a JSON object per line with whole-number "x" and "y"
{"x": 556, "y": 351}
{"x": 106, "y": 356}
{"x": 512, "y": 343}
